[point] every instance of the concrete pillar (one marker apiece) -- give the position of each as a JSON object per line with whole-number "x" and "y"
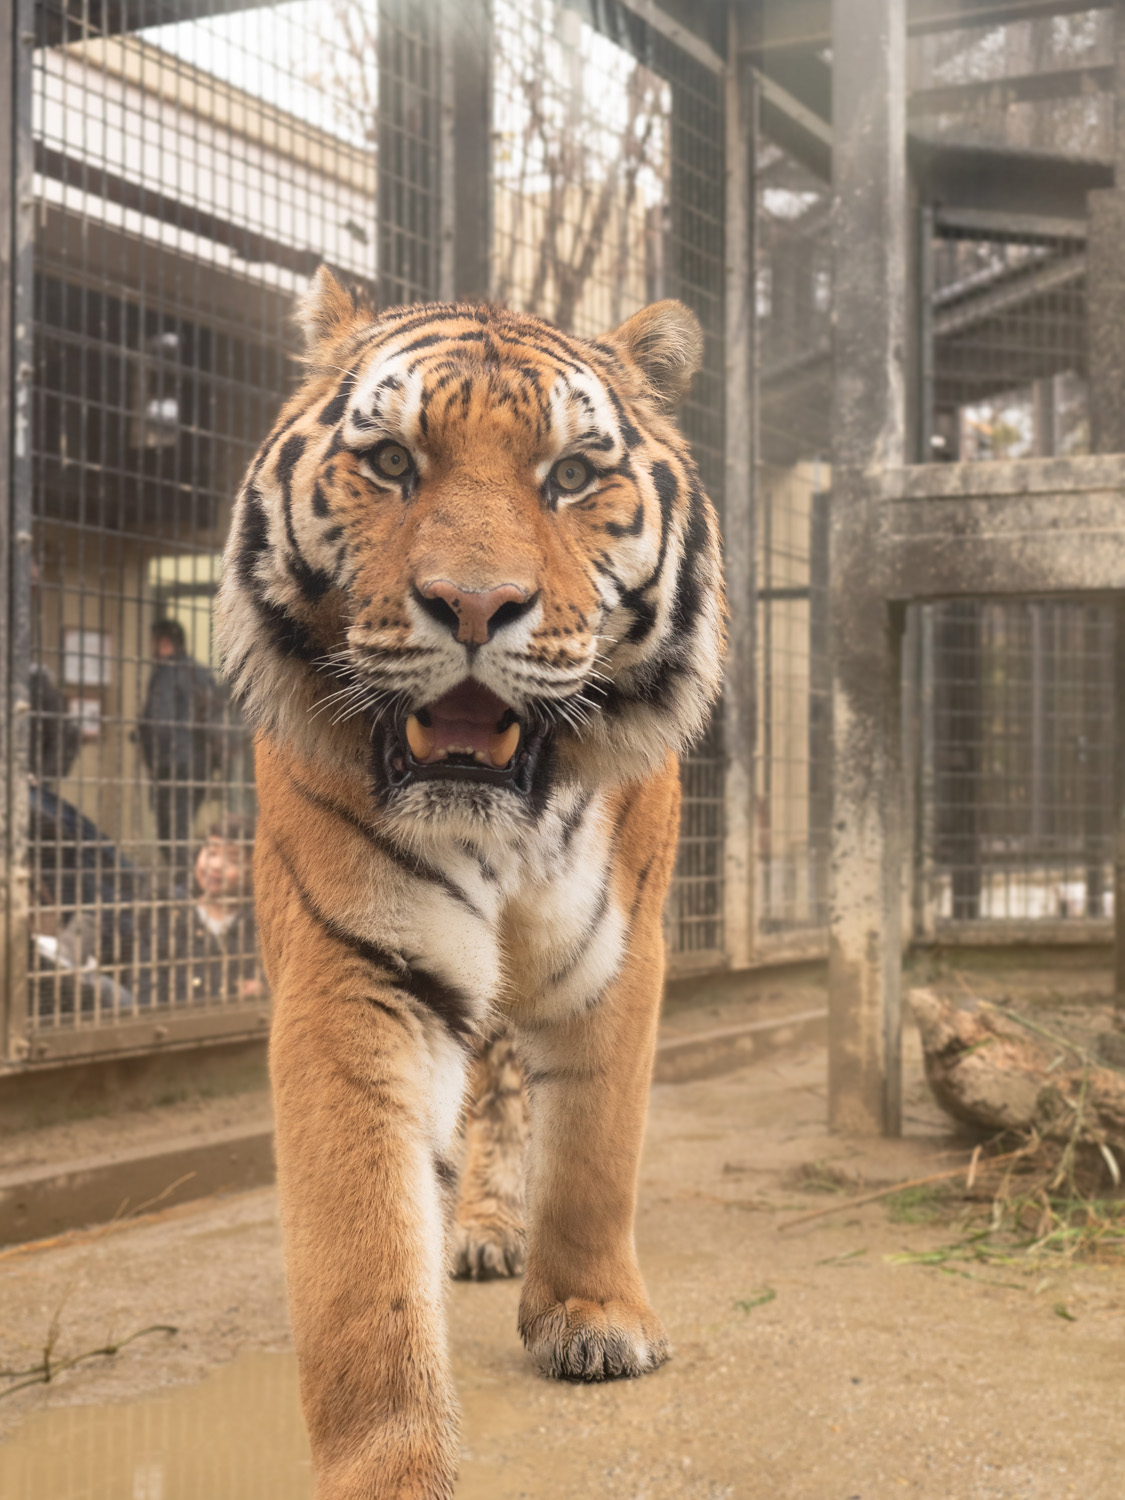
{"x": 869, "y": 268}
{"x": 1105, "y": 293}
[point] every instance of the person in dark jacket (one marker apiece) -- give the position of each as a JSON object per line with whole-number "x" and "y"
{"x": 180, "y": 736}
{"x": 55, "y": 736}
{"x": 84, "y": 892}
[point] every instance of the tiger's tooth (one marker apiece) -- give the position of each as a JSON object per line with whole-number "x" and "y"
{"x": 502, "y": 746}
{"x": 419, "y": 738}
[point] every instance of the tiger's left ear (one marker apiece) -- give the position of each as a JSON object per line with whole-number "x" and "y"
{"x": 665, "y": 342}
{"x": 327, "y": 309}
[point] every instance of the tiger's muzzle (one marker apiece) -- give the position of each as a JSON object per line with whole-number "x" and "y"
{"x": 467, "y": 735}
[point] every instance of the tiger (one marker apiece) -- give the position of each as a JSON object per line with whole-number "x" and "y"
{"x": 471, "y": 604}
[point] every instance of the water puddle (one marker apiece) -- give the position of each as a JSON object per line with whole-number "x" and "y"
{"x": 236, "y": 1436}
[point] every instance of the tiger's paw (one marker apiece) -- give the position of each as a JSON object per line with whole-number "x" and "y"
{"x": 488, "y": 1243}
{"x": 581, "y": 1340}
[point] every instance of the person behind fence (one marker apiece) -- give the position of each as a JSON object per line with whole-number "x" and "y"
{"x": 181, "y": 740}
{"x": 82, "y": 889}
{"x": 211, "y": 951}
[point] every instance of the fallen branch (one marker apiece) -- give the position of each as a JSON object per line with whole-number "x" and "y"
{"x": 46, "y": 1370}
{"x": 970, "y": 1167}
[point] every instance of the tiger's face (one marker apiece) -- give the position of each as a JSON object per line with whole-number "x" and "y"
{"x": 475, "y": 553}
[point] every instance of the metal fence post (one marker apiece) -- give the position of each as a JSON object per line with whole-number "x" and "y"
{"x": 467, "y": 41}
{"x": 17, "y": 220}
{"x": 869, "y": 262}
{"x": 1106, "y": 305}
{"x": 739, "y": 521}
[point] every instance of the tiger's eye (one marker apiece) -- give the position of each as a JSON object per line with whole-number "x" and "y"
{"x": 393, "y": 460}
{"x": 571, "y": 474}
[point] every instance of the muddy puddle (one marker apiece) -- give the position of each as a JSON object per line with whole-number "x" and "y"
{"x": 236, "y": 1436}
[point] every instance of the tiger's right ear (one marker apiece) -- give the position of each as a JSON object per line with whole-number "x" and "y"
{"x": 327, "y": 309}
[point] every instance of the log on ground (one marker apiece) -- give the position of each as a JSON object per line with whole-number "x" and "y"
{"x": 996, "y": 1072}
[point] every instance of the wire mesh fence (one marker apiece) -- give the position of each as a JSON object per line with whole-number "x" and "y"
{"x": 1016, "y": 745}
{"x": 189, "y": 177}
{"x": 1022, "y": 711}
{"x": 192, "y": 162}
{"x": 793, "y": 307}
{"x": 608, "y": 194}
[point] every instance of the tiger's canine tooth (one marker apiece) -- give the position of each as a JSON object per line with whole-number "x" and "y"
{"x": 502, "y": 746}
{"x": 419, "y": 738}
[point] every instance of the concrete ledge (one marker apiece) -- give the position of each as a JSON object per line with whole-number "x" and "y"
{"x": 46, "y": 1201}
{"x": 706, "y": 1054}
{"x": 38, "y": 1203}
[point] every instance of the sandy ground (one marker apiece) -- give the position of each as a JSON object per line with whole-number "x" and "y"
{"x": 808, "y": 1365}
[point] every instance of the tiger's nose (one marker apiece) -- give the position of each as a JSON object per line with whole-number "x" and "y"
{"x": 473, "y": 616}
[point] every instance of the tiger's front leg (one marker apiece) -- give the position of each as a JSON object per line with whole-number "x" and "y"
{"x": 584, "y": 1313}
{"x": 362, "y": 1087}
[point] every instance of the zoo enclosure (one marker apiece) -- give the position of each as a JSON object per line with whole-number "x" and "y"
{"x": 179, "y": 168}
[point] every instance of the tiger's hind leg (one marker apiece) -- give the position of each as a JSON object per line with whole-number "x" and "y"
{"x": 488, "y": 1227}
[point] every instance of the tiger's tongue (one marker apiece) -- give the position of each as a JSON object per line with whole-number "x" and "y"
{"x": 465, "y": 721}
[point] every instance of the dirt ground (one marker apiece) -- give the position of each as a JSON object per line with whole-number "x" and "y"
{"x": 809, "y": 1363}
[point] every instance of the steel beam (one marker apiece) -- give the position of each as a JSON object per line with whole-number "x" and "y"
{"x": 869, "y": 424}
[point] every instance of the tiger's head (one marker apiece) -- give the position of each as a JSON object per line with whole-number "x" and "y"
{"x": 474, "y": 555}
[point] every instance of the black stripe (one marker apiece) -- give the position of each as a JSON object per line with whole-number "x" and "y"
{"x": 686, "y": 602}
{"x": 333, "y": 411}
{"x": 560, "y": 976}
{"x": 313, "y": 583}
{"x": 635, "y": 526}
{"x": 642, "y": 881}
{"x": 288, "y": 635}
{"x": 573, "y": 821}
{"x": 388, "y": 1010}
{"x": 288, "y": 457}
{"x": 644, "y": 610}
{"x": 628, "y": 432}
{"x": 254, "y": 537}
{"x": 267, "y": 447}
{"x": 411, "y": 864}
{"x": 446, "y": 1001}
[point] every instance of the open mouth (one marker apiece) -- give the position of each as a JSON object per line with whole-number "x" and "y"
{"x": 469, "y": 734}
